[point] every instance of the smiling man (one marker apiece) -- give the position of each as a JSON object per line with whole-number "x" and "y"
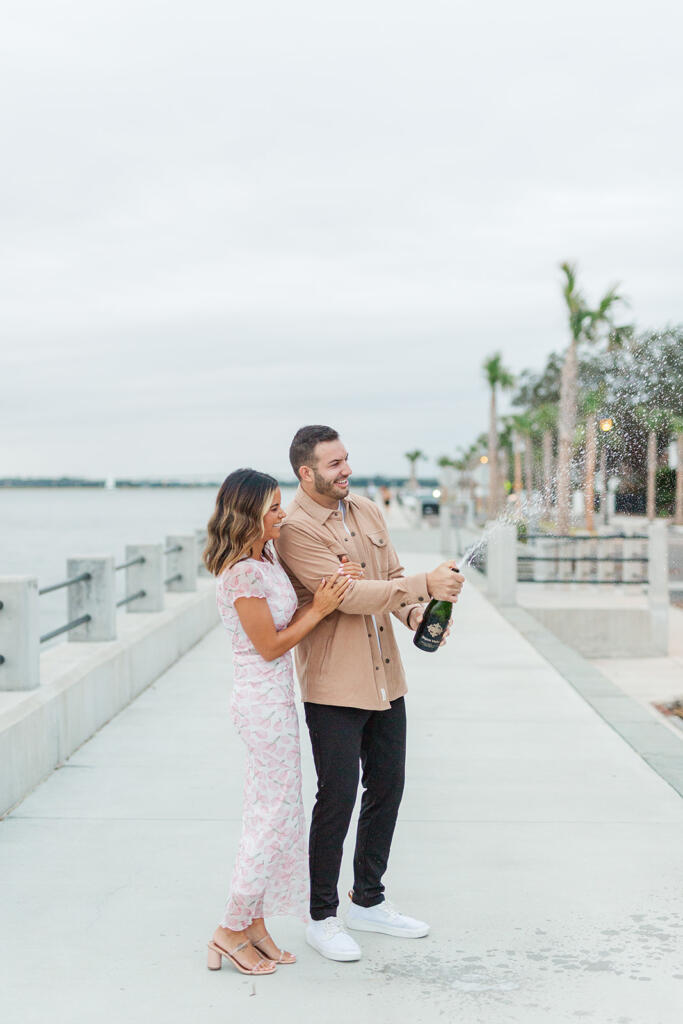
{"x": 353, "y": 685}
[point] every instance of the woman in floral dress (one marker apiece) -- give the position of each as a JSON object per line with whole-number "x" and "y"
{"x": 258, "y": 605}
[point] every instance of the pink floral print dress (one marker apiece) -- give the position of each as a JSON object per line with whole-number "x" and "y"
{"x": 270, "y": 876}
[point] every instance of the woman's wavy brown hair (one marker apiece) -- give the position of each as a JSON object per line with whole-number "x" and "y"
{"x": 237, "y": 522}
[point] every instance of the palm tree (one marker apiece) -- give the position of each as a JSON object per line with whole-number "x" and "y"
{"x": 412, "y": 458}
{"x": 466, "y": 462}
{"x": 498, "y": 377}
{"x": 584, "y": 324}
{"x": 676, "y": 426}
{"x": 653, "y": 420}
{"x": 445, "y": 462}
{"x": 545, "y": 422}
{"x": 523, "y": 425}
{"x": 592, "y": 402}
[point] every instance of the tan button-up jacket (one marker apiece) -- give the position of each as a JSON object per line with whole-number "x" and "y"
{"x": 341, "y": 662}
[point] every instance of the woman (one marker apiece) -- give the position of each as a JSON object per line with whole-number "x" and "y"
{"x": 258, "y": 605}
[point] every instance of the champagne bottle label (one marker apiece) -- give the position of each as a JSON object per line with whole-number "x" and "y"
{"x": 429, "y": 633}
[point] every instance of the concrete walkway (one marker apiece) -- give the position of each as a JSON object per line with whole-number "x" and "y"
{"x": 543, "y": 850}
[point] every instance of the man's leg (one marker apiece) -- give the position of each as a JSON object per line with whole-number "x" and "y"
{"x": 336, "y": 735}
{"x": 383, "y": 751}
{"x": 383, "y": 755}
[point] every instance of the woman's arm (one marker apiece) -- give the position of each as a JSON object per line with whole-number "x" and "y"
{"x": 257, "y": 622}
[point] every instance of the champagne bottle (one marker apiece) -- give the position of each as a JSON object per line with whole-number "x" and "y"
{"x": 429, "y": 633}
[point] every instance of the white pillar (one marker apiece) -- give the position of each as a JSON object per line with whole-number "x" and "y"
{"x": 181, "y": 561}
{"x": 95, "y": 597}
{"x": 544, "y": 569}
{"x": 201, "y": 538}
{"x": 19, "y": 633}
{"x": 147, "y": 576}
{"x": 634, "y": 549}
{"x": 587, "y": 571}
{"x": 566, "y": 550}
{"x": 658, "y": 589}
{"x": 608, "y": 570}
{"x": 501, "y": 564}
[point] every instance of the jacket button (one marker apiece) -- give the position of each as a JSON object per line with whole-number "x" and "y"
{"x": 362, "y": 565}
{"x": 369, "y": 634}
{"x": 381, "y": 628}
{"x": 420, "y": 598}
{"x": 403, "y": 604}
{"x": 376, "y": 668}
{"x": 352, "y": 533}
{"x": 387, "y": 660}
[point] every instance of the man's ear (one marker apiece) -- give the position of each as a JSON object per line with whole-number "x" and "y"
{"x": 306, "y": 473}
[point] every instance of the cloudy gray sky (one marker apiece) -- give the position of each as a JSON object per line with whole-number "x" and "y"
{"x": 221, "y": 220}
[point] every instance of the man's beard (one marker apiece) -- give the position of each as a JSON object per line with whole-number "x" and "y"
{"x": 326, "y": 487}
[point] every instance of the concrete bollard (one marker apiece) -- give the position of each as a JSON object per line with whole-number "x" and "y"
{"x": 149, "y": 576}
{"x": 95, "y": 597}
{"x": 658, "y": 589}
{"x": 586, "y": 571}
{"x": 634, "y": 549}
{"x": 502, "y": 564}
{"x": 610, "y": 549}
{"x": 19, "y": 633}
{"x": 181, "y": 563}
{"x": 566, "y": 550}
{"x": 201, "y": 538}
{"x": 546, "y": 567}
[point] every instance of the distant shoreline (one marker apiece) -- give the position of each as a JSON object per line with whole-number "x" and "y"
{"x": 18, "y": 483}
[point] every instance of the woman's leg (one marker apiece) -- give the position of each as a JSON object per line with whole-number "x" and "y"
{"x": 270, "y": 874}
{"x": 258, "y": 933}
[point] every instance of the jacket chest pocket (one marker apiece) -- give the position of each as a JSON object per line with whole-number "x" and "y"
{"x": 379, "y": 549}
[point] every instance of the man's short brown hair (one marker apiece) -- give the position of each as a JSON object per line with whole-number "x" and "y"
{"x": 303, "y": 445}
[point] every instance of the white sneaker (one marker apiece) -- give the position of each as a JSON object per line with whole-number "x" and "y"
{"x": 385, "y": 918}
{"x": 330, "y": 939}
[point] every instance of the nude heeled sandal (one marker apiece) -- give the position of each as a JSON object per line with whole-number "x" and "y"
{"x": 215, "y": 960}
{"x": 256, "y": 943}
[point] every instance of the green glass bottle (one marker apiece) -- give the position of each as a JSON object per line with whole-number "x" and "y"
{"x": 429, "y": 633}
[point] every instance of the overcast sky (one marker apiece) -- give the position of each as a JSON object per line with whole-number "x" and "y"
{"x": 221, "y": 220}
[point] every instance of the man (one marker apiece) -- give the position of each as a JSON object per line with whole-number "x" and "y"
{"x": 352, "y": 684}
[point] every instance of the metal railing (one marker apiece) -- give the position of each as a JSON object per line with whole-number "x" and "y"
{"x": 132, "y": 597}
{"x": 67, "y": 628}
{"x": 506, "y": 556}
{"x": 558, "y": 556}
{"x": 80, "y": 621}
{"x": 139, "y": 560}
{"x": 92, "y": 601}
{"x": 131, "y": 561}
{"x": 65, "y": 583}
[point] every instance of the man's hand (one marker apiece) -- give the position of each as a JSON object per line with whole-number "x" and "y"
{"x": 415, "y": 618}
{"x": 445, "y": 582}
{"x": 446, "y": 635}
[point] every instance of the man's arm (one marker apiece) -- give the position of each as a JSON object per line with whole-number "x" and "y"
{"x": 309, "y": 559}
{"x": 396, "y": 571}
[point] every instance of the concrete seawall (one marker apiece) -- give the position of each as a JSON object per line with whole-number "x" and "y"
{"x": 84, "y": 685}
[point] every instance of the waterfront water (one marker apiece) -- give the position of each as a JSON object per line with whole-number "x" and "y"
{"x": 41, "y": 527}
